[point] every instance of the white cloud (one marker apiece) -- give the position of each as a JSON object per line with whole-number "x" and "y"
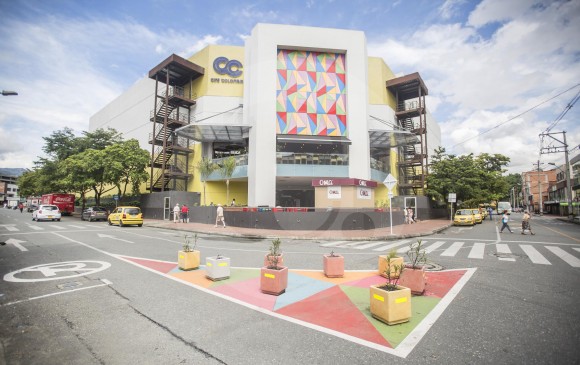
{"x": 64, "y": 71}
{"x": 481, "y": 82}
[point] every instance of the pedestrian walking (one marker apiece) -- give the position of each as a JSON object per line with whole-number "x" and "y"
{"x": 184, "y": 214}
{"x": 176, "y": 211}
{"x": 504, "y": 220}
{"x": 220, "y": 216}
{"x": 490, "y": 213}
{"x": 526, "y": 223}
{"x": 411, "y": 215}
{"x": 20, "y": 206}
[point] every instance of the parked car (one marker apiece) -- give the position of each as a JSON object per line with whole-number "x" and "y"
{"x": 95, "y": 214}
{"x": 46, "y": 212}
{"x": 31, "y": 208}
{"x": 124, "y": 216}
{"x": 464, "y": 217}
{"x": 477, "y": 216}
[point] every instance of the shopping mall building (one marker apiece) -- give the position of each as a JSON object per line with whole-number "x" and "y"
{"x": 309, "y": 117}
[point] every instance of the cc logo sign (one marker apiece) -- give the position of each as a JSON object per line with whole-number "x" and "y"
{"x": 223, "y": 66}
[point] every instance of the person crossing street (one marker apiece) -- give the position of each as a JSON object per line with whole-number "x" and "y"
{"x": 504, "y": 220}
{"x": 526, "y": 223}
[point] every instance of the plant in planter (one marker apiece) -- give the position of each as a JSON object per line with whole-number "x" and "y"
{"x": 394, "y": 259}
{"x": 414, "y": 275}
{"x": 333, "y": 265}
{"x": 391, "y": 302}
{"x": 274, "y": 251}
{"x": 217, "y": 267}
{"x": 188, "y": 258}
{"x": 274, "y": 276}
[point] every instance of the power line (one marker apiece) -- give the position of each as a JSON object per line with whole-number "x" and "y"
{"x": 566, "y": 109}
{"x": 517, "y": 116}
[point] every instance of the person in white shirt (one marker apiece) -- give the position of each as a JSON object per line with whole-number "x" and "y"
{"x": 504, "y": 220}
{"x": 176, "y": 212}
{"x": 220, "y": 216}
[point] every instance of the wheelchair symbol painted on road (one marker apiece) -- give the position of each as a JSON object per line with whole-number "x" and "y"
{"x": 56, "y": 271}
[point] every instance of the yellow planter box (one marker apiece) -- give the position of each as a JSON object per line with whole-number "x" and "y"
{"x": 383, "y": 265}
{"x": 188, "y": 260}
{"x": 391, "y": 307}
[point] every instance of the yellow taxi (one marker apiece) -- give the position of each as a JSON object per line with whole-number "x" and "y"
{"x": 464, "y": 217}
{"x": 477, "y": 216}
{"x": 126, "y": 216}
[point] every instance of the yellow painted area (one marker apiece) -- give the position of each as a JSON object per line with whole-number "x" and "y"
{"x": 208, "y": 264}
{"x": 269, "y": 276}
{"x": 223, "y": 264}
{"x": 379, "y": 73}
{"x": 378, "y": 297}
{"x": 401, "y": 300}
{"x": 181, "y": 256}
{"x": 212, "y": 83}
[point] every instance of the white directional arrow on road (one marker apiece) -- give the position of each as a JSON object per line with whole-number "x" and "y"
{"x": 113, "y": 238}
{"x": 16, "y": 243}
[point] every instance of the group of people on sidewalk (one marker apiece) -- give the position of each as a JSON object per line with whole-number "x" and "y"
{"x": 180, "y": 214}
{"x": 525, "y": 222}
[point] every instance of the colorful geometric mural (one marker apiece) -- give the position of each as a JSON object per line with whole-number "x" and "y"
{"x": 311, "y": 93}
{"x": 336, "y": 306}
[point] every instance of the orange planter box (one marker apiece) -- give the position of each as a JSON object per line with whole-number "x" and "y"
{"x": 383, "y": 265}
{"x": 273, "y": 281}
{"x": 413, "y": 279}
{"x": 333, "y": 266}
{"x": 188, "y": 260}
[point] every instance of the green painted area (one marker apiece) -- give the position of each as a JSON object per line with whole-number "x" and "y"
{"x": 421, "y": 306}
{"x": 237, "y": 275}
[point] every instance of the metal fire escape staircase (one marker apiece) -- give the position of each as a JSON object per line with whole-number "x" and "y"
{"x": 411, "y": 115}
{"x": 170, "y": 154}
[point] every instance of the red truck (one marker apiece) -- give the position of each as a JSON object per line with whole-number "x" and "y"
{"x": 64, "y": 202}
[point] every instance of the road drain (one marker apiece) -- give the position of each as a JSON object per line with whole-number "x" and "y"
{"x": 70, "y": 285}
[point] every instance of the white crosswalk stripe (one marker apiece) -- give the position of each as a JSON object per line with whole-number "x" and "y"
{"x": 534, "y": 255}
{"x": 11, "y": 228}
{"x": 56, "y": 227}
{"x": 453, "y": 249}
{"x": 77, "y": 227}
{"x": 369, "y": 245}
{"x": 477, "y": 251}
{"x": 434, "y": 246}
{"x": 568, "y": 258}
{"x": 334, "y": 244}
{"x": 502, "y": 248}
{"x": 35, "y": 228}
{"x": 391, "y": 246}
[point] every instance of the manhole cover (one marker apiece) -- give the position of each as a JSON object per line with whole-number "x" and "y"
{"x": 431, "y": 266}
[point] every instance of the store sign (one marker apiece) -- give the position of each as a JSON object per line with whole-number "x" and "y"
{"x": 334, "y": 192}
{"x": 226, "y": 67}
{"x": 344, "y": 182}
{"x": 363, "y": 193}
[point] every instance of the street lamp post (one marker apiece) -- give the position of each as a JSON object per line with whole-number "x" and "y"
{"x": 540, "y": 206}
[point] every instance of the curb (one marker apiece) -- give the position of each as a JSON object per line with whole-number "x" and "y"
{"x": 304, "y": 237}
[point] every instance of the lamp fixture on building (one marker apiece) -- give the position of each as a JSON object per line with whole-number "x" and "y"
{"x": 8, "y": 93}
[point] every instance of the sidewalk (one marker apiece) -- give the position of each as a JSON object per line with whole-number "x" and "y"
{"x": 421, "y": 228}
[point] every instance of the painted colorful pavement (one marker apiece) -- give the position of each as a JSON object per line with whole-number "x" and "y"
{"x": 338, "y": 306}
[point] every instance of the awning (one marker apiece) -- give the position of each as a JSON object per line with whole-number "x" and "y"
{"x": 391, "y": 138}
{"x": 297, "y": 138}
{"x": 214, "y": 133}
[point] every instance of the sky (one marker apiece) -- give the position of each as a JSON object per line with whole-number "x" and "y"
{"x": 499, "y": 73}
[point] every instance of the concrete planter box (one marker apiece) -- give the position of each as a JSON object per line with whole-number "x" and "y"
{"x": 217, "y": 268}
{"x": 390, "y": 307}
{"x": 413, "y": 279}
{"x": 188, "y": 260}
{"x": 383, "y": 265}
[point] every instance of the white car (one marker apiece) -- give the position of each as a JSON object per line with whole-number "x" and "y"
{"x": 46, "y": 212}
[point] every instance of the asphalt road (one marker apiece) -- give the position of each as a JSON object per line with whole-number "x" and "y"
{"x": 519, "y": 307}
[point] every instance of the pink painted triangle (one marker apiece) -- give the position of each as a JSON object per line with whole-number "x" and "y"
{"x": 333, "y": 309}
{"x": 161, "y": 266}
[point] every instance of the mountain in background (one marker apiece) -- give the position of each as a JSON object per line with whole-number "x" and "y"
{"x": 15, "y": 171}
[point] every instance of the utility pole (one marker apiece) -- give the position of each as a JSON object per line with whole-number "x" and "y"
{"x": 540, "y": 191}
{"x": 562, "y": 148}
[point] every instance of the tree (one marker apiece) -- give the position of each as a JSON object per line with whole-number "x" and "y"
{"x": 227, "y": 170}
{"x": 76, "y": 174}
{"x": 475, "y": 180}
{"x": 125, "y": 164}
{"x": 205, "y": 167}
